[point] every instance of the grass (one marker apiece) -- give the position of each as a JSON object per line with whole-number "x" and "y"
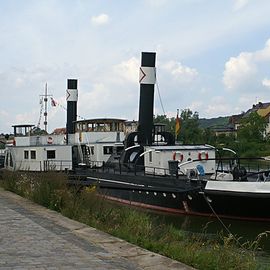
{"x": 84, "y": 204}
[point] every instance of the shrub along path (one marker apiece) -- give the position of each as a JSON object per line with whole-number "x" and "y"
{"x": 35, "y": 237}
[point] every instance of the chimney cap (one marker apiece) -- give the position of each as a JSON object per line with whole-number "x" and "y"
{"x": 72, "y": 83}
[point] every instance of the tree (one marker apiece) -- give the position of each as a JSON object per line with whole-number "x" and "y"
{"x": 190, "y": 131}
{"x": 208, "y": 136}
{"x": 252, "y": 128}
{"x": 38, "y": 131}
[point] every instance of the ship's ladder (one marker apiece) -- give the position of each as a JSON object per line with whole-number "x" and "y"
{"x": 81, "y": 153}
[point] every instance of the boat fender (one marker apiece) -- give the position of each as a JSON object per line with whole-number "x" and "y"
{"x": 200, "y": 170}
{"x": 203, "y": 156}
{"x": 178, "y": 156}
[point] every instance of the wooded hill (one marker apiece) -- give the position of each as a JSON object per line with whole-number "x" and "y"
{"x": 221, "y": 121}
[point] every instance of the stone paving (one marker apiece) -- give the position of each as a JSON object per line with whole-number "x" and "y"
{"x": 33, "y": 237}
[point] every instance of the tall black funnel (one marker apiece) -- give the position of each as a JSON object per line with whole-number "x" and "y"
{"x": 72, "y": 98}
{"x": 146, "y": 107}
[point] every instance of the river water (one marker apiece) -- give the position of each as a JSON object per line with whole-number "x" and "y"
{"x": 242, "y": 230}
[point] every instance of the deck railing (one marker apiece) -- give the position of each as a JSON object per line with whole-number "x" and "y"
{"x": 47, "y": 165}
{"x": 251, "y": 165}
{"x": 127, "y": 169}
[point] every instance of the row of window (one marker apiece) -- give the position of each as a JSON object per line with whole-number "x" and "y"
{"x": 33, "y": 155}
{"x": 107, "y": 150}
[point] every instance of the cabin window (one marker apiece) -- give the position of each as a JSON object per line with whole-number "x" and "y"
{"x": 26, "y": 154}
{"x": 51, "y": 154}
{"x": 150, "y": 157}
{"x": 107, "y": 150}
{"x": 33, "y": 154}
{"x": 92, "y": 151}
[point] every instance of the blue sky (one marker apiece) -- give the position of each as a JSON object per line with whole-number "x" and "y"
{"x": 212, "y": 56}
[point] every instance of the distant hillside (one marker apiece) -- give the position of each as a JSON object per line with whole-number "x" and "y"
{"x": 214, "y": 122}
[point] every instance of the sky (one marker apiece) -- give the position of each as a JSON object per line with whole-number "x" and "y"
{"x": 213, "y": 57}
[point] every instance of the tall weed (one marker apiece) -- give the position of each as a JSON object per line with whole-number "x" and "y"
{"x": 86, "y": 205}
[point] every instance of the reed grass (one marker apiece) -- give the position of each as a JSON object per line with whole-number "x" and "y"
{"x": 85, "y": 205}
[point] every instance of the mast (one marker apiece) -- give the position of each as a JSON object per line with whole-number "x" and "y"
{"x": 45, "y": 100}
{"x": 46, "y": 108}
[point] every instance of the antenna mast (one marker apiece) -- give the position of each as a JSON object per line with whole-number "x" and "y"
{"x": 45, "y": 100}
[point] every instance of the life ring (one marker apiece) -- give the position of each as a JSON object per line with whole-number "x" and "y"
{"x": 178, "y": 156}
{"x": 203, "y": 155}
{"x": 50, "y": 140}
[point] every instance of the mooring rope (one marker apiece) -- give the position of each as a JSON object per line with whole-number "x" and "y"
{"x": 220, "y": 220}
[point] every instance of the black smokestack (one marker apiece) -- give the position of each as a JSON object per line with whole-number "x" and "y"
{"x": 146, "y": 107}
{"x": 72, "y": 98}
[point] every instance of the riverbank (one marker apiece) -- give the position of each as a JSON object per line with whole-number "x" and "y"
{"x": 34, "y": 237}
{"x": 139, "y": 228}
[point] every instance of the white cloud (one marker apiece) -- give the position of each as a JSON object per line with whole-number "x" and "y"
{"x": 196, "y": 106}
{"x": 183, "y": 74}
{"x": 98, "y": 96}
{"x": 100, "y": 19}
{"x": 157, "y": 3}
{"x": 266, "y": 82}
{"x": 205, "y": 90}
{"x": 128, "y": 70}
{"x": 27, "y": 118}
{"x": 110, "y": 98}
{"x": 246, "y": 100}
{"x": 237, "y": 69}
{"x": 217, "y": 106}
{"x": 5, "y": 121}
{"x": 264, "y": 54}
{"x": 239, "y": 4}
{"x": 109, "y": 85}
{"x": 244, "y": 70}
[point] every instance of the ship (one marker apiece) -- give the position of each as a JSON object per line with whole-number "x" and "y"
{"x": 145, "y": 168}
